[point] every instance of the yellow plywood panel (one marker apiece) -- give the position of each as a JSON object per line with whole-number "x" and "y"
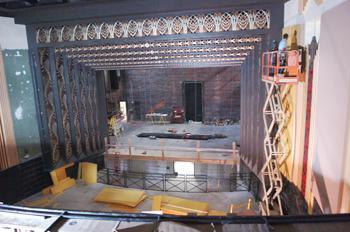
{"x": 156, "y": 203}
{"x": 123, "y": 208}
{"x": 167, "y": 210}
{"x": 127, "y": 197}
{"x": 89, "y": 173}
{"x": 190, "y": 205}
{"x": 63, "y": 185}
{"x": 181, "y": 210}
{"x": 39, "y": 203}
{"x": 46, "y": 191}
{"x": 217, "y": 213}
{"x": 54, "y": 177}
{"x": 61, "y": 174}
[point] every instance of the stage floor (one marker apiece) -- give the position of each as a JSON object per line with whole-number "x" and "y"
{"x": 131, "y": 130}
{"x": 180, "y": 148}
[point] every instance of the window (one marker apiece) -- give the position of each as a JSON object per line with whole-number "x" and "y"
{"x": 184, "y": 168}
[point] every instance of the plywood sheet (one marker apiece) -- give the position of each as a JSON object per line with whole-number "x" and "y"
{"x": 217, "y": 213}
{"x": 182, "y": 206}
{"x": 182, "y": 202}
{"x": 89, "y": 172}
{"x": 62, "y": 185}
{"x": 156, "y": 203}
{"x": 121, "y": 196}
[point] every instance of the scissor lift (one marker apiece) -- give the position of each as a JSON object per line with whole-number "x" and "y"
{"x": 278, "y": 69}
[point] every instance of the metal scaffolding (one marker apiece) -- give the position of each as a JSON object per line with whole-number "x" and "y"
{"x": 279, "y": 69}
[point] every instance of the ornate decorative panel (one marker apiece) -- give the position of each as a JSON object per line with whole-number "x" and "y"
{"x": 75, "y": 108}
{"x": 78, "y": 32}
{"x": 91, "y": 31}
{"x": 90, "y": 110}
{"x": 41, "y": 36}
{"x": 95, "y": 111}
{"x": 105, "y": 31}
{"x": 64, "y": 101}
{"x": 54, "y": 34}
{"x": 226, "y": 22}
{"x": 83, "y": 102}
{"x": 243, "y": 20}
{"x": 178, "y": 24}
{"x": 49, "y": 104}
{"x": 67, "y": 33}
{"x": 261, "y": 19}
{"x": 147, "y": 27}
{"x": 209, "y": 23}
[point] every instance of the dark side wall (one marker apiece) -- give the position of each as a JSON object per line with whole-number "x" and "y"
{"x": 161, "y": 89}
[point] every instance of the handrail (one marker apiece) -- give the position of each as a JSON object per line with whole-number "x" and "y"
{"x": 160, "y": 148}
{"x": 142, "y": 217}
{"x": 290, "y": 71}
{"x": 129, "y": 153}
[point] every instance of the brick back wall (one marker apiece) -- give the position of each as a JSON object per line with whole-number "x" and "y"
{"x": 221, "y": 93}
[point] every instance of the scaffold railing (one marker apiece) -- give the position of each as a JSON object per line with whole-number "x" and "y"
{"x": 283, "y": 67}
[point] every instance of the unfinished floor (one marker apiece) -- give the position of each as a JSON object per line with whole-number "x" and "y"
{"x": 81, "y": 197}
{"x": 132, "y": 129}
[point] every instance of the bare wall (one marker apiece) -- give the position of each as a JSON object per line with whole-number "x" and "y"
{"x": 152, "y": 87}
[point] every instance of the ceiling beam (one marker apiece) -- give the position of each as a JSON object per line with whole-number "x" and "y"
{"x": 124, "y": 8}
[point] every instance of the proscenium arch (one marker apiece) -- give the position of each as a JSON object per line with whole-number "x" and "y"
{"x": 77, "y": 89}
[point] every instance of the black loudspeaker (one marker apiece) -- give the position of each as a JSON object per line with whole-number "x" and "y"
{"x": 114, "y": 76}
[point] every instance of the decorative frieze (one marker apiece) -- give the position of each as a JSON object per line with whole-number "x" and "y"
{"x": 185, "y": 24}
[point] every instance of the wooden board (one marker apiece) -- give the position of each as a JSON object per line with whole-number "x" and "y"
{"x": 182, "y": 206}
{"x": 62, "y": 186}
{"x": 121, "y": 196}
{"x": 156, "y": 203}
{"x": 88, "y": 172}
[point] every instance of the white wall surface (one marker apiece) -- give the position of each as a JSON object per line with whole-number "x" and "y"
{"x": 332, "y": 104}
{"x": 12, "y": 36}
{"x": 309, "y": 17}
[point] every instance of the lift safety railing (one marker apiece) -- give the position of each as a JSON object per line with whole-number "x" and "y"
{"x": 279, "y": 69}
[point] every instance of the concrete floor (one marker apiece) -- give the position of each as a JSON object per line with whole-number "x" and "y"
{"x": 132, "y": 129}
{"x": 81, "y": 197}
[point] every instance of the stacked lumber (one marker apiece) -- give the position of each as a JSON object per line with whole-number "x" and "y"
{"x": 60, "y": 181}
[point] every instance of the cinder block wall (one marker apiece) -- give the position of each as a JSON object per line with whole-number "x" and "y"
{"x": 221, "y": 93}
